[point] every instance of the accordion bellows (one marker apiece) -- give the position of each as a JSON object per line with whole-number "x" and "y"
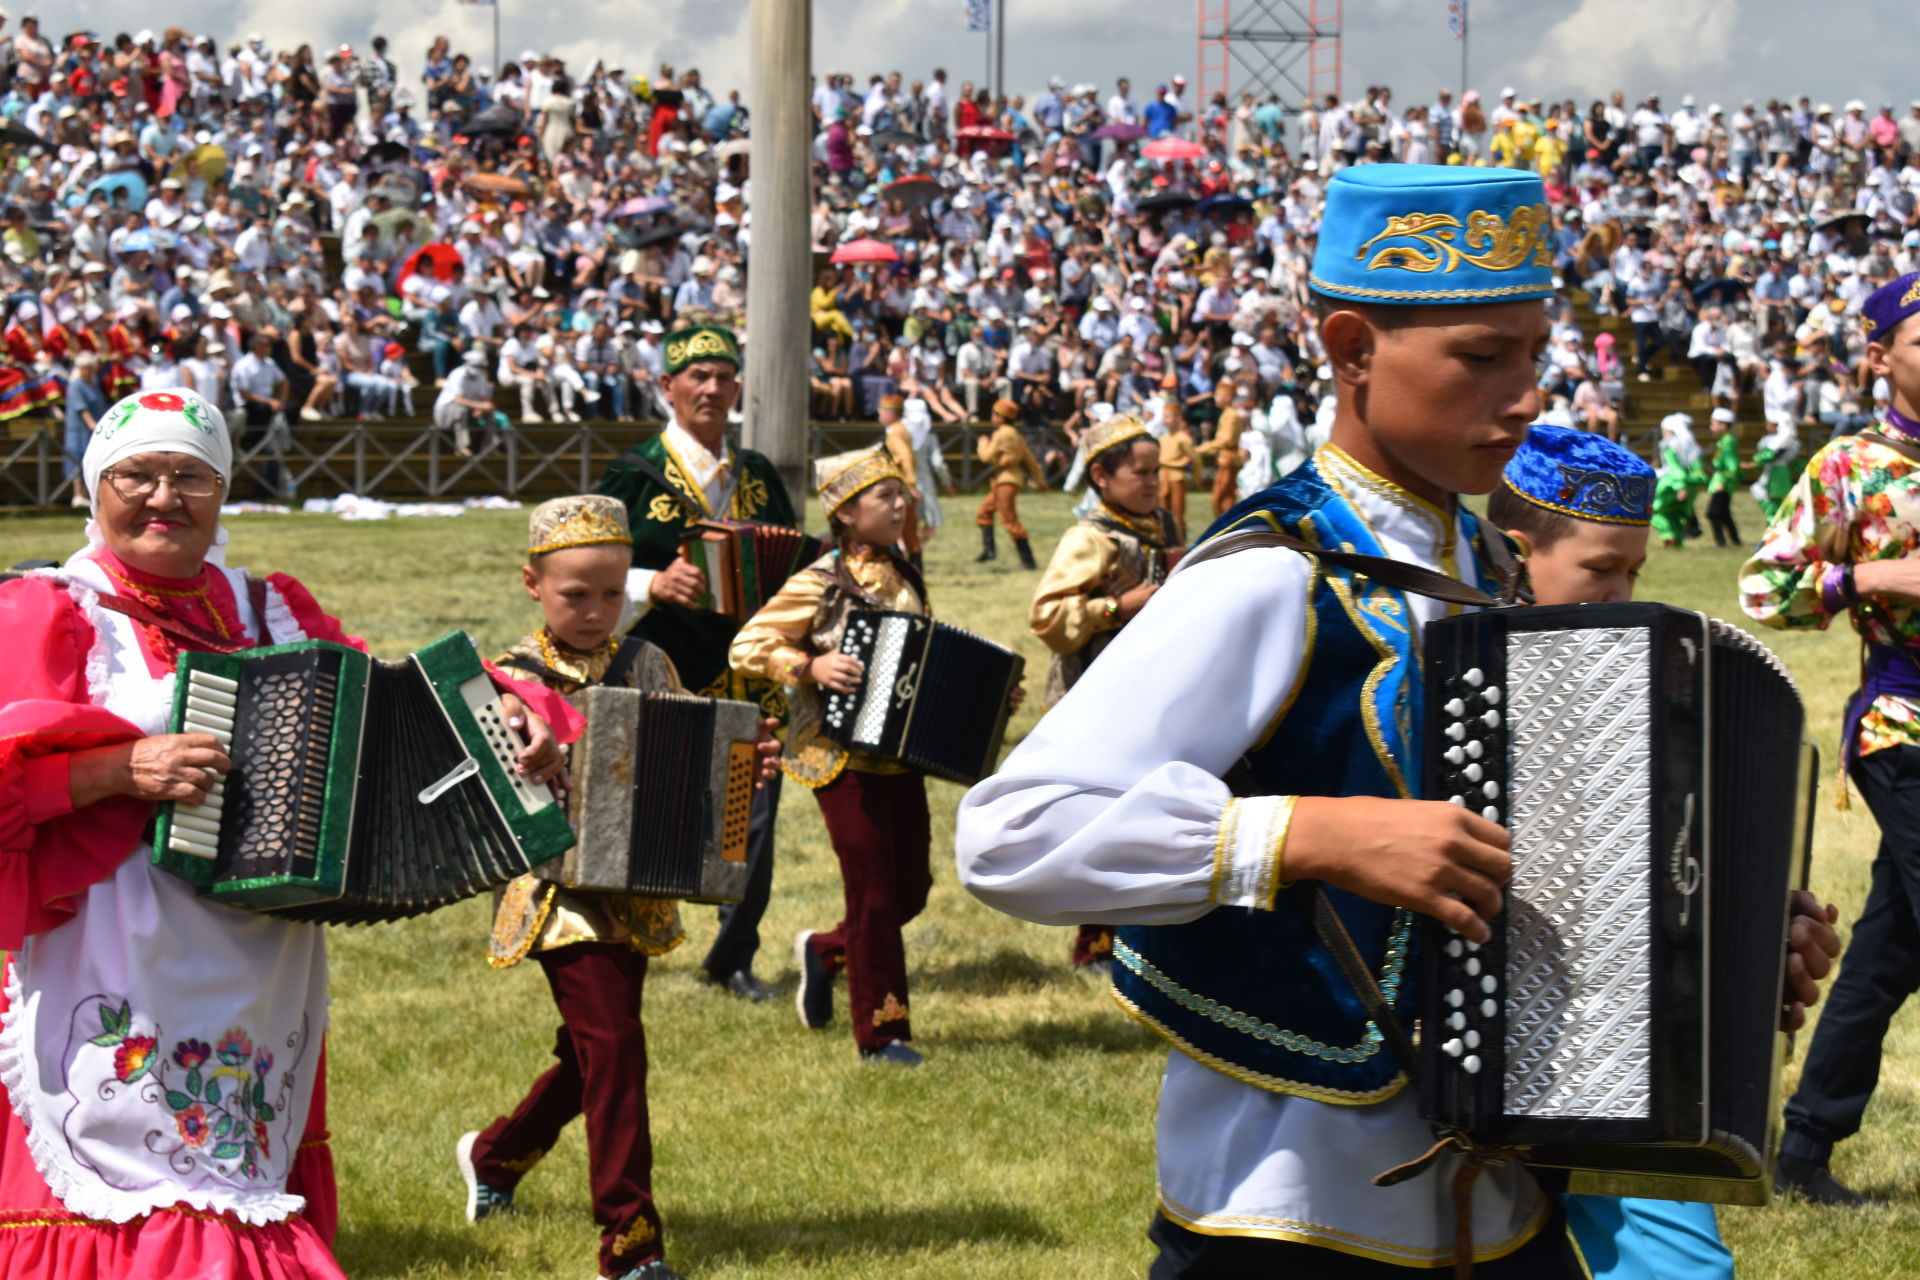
{"x": 933, "y": 696}
{"x": 361, "y": 790}
{"x": 663, "y": 792}
{"x": 746, "y": 563}
{"x": 1622, "y": 1023}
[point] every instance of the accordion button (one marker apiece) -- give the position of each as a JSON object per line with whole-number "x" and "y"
{"x": 1455, "y": 708}
{"x": 1474, "y": 750}
{"x": 1459, "y": 800}
{"x": 1491, "y": 813}
{"x": 1492, "y": 694}
{"x": 1456, "y": 731}
{"x": 1472, "y": 945}
{"x": 1491, "y": 719}
{"x": 1456, "y": 997}
{"x": 1475, "y": 678}
{"x": 1457, "y": 1020}
{"x": 1454, "y": 755}
{"x": 1471, "y": 1064}
{"x": 1473, "y": 967}
{"x": 1453, "y": 1048}
{"x": 1474, "y": 773}
{"x": 1488, "y": 1008}
{"x": 1454, "y": 948}
{"x": 1489, "y": 984}
{"x": 1473, "y": 1039}
{"x": 1491, "y": 791}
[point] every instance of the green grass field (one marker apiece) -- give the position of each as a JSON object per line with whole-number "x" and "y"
{"x": 1022, "y": 1151}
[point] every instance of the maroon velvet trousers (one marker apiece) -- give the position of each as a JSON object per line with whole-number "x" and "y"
{"x": 878, "y": 824}
{"x": 601, "y": 1074}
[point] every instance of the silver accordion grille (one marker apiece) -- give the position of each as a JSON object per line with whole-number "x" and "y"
{"x": 1579, "y": 1011}
{"x": 888, "y": 650}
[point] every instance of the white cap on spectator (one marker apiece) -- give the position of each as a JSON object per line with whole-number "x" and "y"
{"x": 725, "y": 192}
{"x": 652, "y": 326}
{"x": 725, "y": 219}
{"x": 475, "y": 358}
{"x": 94, "y": 269}
{"x": 181, "y": 311}
{"x": 1686, "y": 100}
{"x": 702, "y": 265}
{"x": 1233, "y": 364}
{"x": 1102, "y": 304}
{"x": 1137, "y": 302}
{"x": 220, "y": 311}
{"x": 1507, "y": 92}
{"x": 625, "y": 326}
{"x": 1242, "y": 339}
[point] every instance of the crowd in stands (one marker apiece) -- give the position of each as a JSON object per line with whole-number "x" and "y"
{"x": 377, "y": 233}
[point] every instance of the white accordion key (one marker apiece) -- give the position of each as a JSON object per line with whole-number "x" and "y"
{"x": 1473, "y": 1039}
{"x": 1492, "y": 694}
{"x": 1454, "y": 755}
{"x": 1453, "y": 1048}
{"x": 1473, "y": 966}
{"x": 1489, "y": 984}
{"x": 1491, "y": 719}
{"x": 1490, "y": 813}
{"x": 1454, "y": 948}
{"x": 1456, "y": 997}
{"x": 1491, "y": 791}
{"x": 1475, "y": 750}
{"x": 1472, "y": 945}
{"x": 1473, "y": 773}
{"x": 484, "y": 702}
{"x": 1456, "y": 708}
{"x": 1488, "y": 1008}
{"x": 1457, "y": 1020}
{"x": 1456, "y": 731}
{"x": 1471, "y": 1064}
{"x": 1475, "y": 678}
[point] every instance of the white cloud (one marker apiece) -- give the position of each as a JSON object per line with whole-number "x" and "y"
{"x": 1640, "y": 46}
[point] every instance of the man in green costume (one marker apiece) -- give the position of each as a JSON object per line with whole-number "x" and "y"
{"x": 690, "y": 472}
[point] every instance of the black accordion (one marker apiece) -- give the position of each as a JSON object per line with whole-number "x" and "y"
{"x": 933, "y": 697}
{"x": 662, "y": 793}
{"x": 1622, "y": 1025}
{"x": 361, "y": 790}
{"x": 746, "y": 563}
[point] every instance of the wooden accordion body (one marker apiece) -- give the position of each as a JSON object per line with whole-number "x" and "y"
{"x": 1622, "y": 1025}
{"x": 361, "y": 790}
{"x": 663, "y": 791}
{"x": 746, "y": 563}
{"x": 933, "y": 696}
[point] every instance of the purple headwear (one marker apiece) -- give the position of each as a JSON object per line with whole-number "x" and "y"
{"x": 1888, "y": 305}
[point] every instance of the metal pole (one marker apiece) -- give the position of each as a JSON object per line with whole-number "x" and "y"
{"x": 777, "y": 314}
{"x": 1466, "y": 34}
{"x": 496, "y": 40}
{"x": 999, "y": 51}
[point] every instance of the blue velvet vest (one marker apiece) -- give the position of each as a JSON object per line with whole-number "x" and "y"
{"x": 1254, "y": 993}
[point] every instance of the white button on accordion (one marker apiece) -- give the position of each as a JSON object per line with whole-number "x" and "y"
{"x": 1623, "y": 1022}
{"x": 360, "y": 790}
{"x": 663, "y": 791}
{"x": 933, "y": 696}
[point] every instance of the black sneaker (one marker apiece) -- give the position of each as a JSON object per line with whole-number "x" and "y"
{"x": 483, "y": 1201}
{"x": 1816, "y": 1184}
{"x": 814, "y": 996}
{"x": 894, "y": 1053}
{"x": 655, "y": 1270}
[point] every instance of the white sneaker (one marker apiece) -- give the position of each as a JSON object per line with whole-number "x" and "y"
{"x": 591, "y": 397}
{"x": 531, "y": 419}
{"x": 572, "y": 416}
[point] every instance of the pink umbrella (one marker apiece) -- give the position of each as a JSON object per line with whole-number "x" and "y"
{"x": 1174, "y": 149}
{"x": 865, "y": 251}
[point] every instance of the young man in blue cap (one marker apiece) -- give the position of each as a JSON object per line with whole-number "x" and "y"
{"x": 1282, "y": 1098}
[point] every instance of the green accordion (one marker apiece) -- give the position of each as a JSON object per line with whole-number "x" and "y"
{"x": 361, "y": 790}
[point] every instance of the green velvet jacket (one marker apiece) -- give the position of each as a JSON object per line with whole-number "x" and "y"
{"x": 696, "y": 640}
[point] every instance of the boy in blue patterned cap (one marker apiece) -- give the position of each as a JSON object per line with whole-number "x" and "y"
{"x": 1178, "y": 803}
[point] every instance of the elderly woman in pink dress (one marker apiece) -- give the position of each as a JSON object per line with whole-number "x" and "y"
{"x": 160, "y": 1053}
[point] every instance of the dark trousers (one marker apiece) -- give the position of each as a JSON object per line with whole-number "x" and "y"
{"x": 1188, "y": 1255}
{"x": 738, "y": 941}
{"x": 881, "y": 834}
{"x": 1880, "y": 970}
{"x": 1720, "y": 516}
{"x": 1646, "y": 341}
{"x": 602, "y": 1074}
{"x": 268, "y": 485}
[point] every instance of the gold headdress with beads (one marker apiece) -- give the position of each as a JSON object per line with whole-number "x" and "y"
{"x": 1121, "y": 427}
{"x": 584, "y": 520}
{"x": 843, "y": 476}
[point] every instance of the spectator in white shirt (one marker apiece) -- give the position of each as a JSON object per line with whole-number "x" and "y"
{"x": 465, "y": 403}
{"x": 523, "y": 368}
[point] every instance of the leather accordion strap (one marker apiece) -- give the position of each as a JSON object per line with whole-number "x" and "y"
{"x": 186, "y": 633}
{"x": 1907, "y": 449}
{"x": 1388, "y": 573}
{"x": 1332, "y": 931}
{"x": 638, "y": 462}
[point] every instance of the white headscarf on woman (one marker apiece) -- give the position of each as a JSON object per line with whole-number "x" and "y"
{"x": 1676, "y": 432}
{"x": 176, "y": 421}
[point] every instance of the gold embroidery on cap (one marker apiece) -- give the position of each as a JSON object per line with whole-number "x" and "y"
{"x": 1912, "y": 295}
{"x": 1493, "y": 243}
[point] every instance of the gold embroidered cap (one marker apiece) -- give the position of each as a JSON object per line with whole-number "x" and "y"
{"x": 839, "y": 478}
{"x": 1425, "y": 234}
{"x": 584, "y": 520}
{"x": 1103, "y": 435}
{"x": 701, "y": 342}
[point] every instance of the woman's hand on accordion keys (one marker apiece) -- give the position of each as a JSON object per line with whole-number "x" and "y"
{"x": 1812, "y": 947}
{"x": 1425, "y": 855}
{"x": 839, "y": 672}
{"x": 541, "y": 760}
{"x": 167, "y": 766}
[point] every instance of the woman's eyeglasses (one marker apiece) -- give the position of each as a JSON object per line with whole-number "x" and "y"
{"x": 134, "y": 486}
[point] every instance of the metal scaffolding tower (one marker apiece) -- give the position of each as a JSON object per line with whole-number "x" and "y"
{"x": 1287, "y": 48}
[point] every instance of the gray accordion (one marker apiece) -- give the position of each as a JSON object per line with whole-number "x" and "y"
{"x": 1622, "y": 1024}
{"x": 662, "y": 795}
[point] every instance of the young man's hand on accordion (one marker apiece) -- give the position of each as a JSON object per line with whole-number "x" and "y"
{"x": 167, "y": 766}
{"x": 1812, "y": 947}
{"x": 1426, "y": 855}
{"x": 541, "y": 760}
{"x": 768, "y": 748}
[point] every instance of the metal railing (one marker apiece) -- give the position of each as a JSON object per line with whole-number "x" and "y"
{"x": 404, "y": 462}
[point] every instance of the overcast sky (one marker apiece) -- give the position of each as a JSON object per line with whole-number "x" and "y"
{"x": 1722, "y": 50}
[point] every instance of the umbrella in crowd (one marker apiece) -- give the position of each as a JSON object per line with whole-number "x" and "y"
{"x": 1165, "y": 200}
{"x": 1224, "y": 203}
{"x": 641, "y": 206}
{"x": 982, "y": 137}
{"x": 733, "y": 147}
{"x": 496, "y": 184}
{"x": 1120, "y": 131}
{"x": 502, "y": 120}
{"x": 397, "y": 222}
{"x": 865, "y": 250}
{"x": 128, "y": 181}
{"x": 654, "y": 235}
{"x": 205, "y": 162}
{"x": 918, "y": 191}
{"x": 898, "y": 138}
{"x": 387, "y": 153}
{"x": 1725, "y": 289}
{"x": 15, "y": 134}
{"x": 1173, "y": 149}
{"x": 437, "y": 260}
